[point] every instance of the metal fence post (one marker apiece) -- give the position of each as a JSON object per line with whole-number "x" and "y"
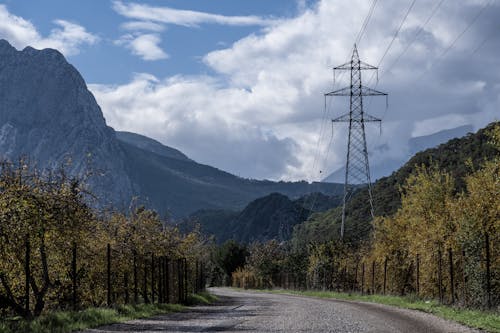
{"x": 136, "y": 293}
{"x": 488, "y": 273}
{"x": 385, "y": 273}
{"x": 440, "y": 277}
{"x": 74, "y": 277}
{"x": 418, "y": 274}
{"x": 27, "y": 274}
{"x": 452, "y": 285}
{"x": 108, "y": 275}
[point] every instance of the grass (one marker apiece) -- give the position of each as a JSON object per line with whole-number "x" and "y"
{"x": 485, "y": 320}
{"x": 68, "y": 321}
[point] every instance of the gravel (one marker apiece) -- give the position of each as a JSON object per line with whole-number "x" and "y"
{"x": 260, "y": 312}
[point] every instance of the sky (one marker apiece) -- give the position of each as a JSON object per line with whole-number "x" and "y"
{"x": 240, "y": 85}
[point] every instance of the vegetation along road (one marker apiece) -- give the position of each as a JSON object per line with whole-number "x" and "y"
{"x": 260, "y": 312}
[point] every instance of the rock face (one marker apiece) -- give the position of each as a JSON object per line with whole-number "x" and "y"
{"x": 48, "y": 115}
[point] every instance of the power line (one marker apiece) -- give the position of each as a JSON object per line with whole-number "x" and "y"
{"x": 445, "y": 52}
{"x": 397, "y": 32}
{"x": 415, "y": 36}
{"x": 365, "y": 22}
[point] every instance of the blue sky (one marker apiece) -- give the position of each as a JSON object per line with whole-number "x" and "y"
{"x": 239, "y": 84}
{"x": 106, "y": 62}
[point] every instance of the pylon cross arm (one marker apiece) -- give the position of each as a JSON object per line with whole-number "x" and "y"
{"x": 355, "y": 65}
{"x": 343, "y": 118}
{"x": 364, "y": 91}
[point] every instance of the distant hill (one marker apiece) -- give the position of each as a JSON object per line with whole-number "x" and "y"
{"x": 415, "y": 145}
{"x": 270, "y": 217}
{"x": 48, "y": 115}
{"x": 451, "y": 156}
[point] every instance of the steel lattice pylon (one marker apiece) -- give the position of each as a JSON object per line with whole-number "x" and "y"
{"x": 357, "y": 170}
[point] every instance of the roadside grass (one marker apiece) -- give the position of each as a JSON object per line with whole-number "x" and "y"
{"x": 485, "y": 320}
{"x": 68, "y": 321}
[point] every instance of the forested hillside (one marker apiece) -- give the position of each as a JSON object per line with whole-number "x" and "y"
{"x": 435, "y": 234}
{"x": 458, "y": 157}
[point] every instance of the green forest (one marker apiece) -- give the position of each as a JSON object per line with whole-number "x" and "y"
{"x": 435, "y": 234}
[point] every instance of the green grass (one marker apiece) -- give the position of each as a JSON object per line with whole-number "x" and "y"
{"x": 486, "y": 320}
{"x": 68, "y": 321}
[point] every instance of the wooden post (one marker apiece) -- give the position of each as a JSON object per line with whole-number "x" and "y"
{"x": 196, "y": 279}
{"x": 136, "y": 293}
{"x": 167, "y": 280}
{"x": 74, "y": 277}
{"x": 452, "y": 285}
{"x": 185, "y": 281}
{"x": 464, "y": 280}
{"x": 145, "y": 281}
{"x": 27, "y": 275}
{"x": 152, "y": 278}
{"x": 362, "y": 277}
{"x": 108, "y": 259}
{"x": 355, "y": 280}
{"x": 488, "y": 273}
{"x": 161, "y": 298}
{"x": 373, "y": 277}
{"x": 125, "y": 284}
{"x": 418, "y": 274}
{"x": 440, "y": 277}
{"x": 385, "y": 273}
{"x": 179, "y": 281}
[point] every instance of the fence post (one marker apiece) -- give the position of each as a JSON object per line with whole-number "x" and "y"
{"x": 152, "y": 278}
{"x": 167, "y": 280}
{"x": 373, "y": 277}
{"x": 488, "y": 273}
{"x": 355, "y": 280}
{"x": 185, "y": 281}
{"x": 145, "y": 280}
{"x": 161, "y": 298}
{"x": 27, "y": 275}
{"x": 385, "y": 273}
{"x": 73, "y": 276}
{"x": 464, "y": 279}
{"x": 136, "y": 293}
{"x": 440, "y": 277}
{"x": 108, "y": 259}
{"x": 196, "y": 279}
{"x": 418, "y": 274}
{"x": 179, "y": 281}
{"x": 452, "y": 285}
{"x": 362, "y": 277}
{"x": 125, "y": 283}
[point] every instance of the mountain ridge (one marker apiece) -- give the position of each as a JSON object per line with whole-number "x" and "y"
{"x": 48, "y": 114}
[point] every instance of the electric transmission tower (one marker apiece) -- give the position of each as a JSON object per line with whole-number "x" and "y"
{"x": 357, "y": 169}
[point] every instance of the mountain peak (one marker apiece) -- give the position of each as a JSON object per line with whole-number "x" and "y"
{"x": 48, "y": 114}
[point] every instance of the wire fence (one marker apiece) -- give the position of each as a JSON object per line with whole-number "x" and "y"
{"x": 458, "y": 277}
{"x": 115, "y": 278}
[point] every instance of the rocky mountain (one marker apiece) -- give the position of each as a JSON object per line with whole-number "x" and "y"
{"x": 151, "y": 145}
{"x": 48, "y": 115}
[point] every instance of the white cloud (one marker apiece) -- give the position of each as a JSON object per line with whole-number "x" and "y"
{"x": 187, "y": 18}
{"x": 144, "y": 45}
{"x": 68, "y": 37}
{"x": 143, "y": 25}
{"x": 267, "y": 91}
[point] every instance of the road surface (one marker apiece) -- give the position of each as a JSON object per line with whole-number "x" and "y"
{"x": 260, "y": 312}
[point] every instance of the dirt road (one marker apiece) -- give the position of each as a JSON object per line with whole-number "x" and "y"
{"x": 259, "y": 312}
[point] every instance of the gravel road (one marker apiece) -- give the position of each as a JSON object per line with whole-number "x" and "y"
{"x": 259, "y": 312}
